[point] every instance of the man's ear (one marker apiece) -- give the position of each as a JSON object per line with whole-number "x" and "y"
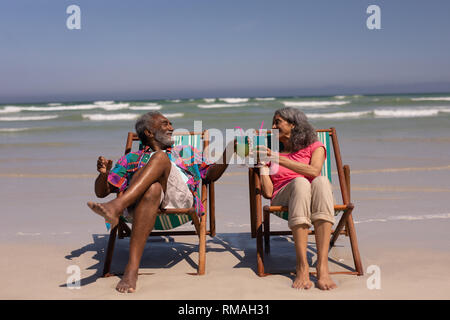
{"x": 148, "y": 134}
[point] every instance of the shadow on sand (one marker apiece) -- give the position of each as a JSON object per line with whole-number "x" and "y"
{"x": 167, "y": 251}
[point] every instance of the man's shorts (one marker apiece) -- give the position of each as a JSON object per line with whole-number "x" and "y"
{"x": 177, "y": 194}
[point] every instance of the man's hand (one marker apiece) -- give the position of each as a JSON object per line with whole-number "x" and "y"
{"x": 104, "y": 165}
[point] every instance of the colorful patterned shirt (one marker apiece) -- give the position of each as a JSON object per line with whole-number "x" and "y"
{"x": 187, "y": 158}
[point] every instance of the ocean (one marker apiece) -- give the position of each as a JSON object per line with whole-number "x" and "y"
{"x": 398, "y": 146}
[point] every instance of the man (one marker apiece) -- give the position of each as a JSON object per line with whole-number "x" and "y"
{"x": 156, "y": 176}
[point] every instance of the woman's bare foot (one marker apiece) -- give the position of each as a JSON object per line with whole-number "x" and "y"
{"x": 128, "y": 282}
{"x": 301, "y": 280}
{"x": 324, "y": 281}
{"x": 107, "y": 211}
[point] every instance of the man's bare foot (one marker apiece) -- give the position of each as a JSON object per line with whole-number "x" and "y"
{"x": 324, "y": 281}
{"x": 128, "y": 282}
{"x": 107, "y": 211}
{"x": 301, "y": 280}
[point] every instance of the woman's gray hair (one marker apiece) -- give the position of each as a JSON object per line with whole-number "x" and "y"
{"x": 303, "y": 134}
{"x": 145, "y": 122}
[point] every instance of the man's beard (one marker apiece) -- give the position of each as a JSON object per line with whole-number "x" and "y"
{"x": 164, "y": 139}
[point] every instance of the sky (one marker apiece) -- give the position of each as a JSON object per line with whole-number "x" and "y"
{"x": 158, "y": 49}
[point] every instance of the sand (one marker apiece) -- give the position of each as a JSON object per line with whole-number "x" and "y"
{"x": 38, "y": 270}
{"x": 410, "y": 249}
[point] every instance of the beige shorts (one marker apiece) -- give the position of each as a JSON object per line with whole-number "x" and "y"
{"x": 177, "y": 194}
{"x": 307, "y": 201}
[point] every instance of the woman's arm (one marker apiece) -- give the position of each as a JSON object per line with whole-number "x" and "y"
{"x": 310, "y": 170}
{"x": 266, "y": 182}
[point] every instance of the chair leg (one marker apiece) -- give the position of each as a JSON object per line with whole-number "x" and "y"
{"x": 252, "y": 198}
{"x": 340, "y": 225}
{"x": 354, "y": 245}
{"x": 259, "y": 246}
{"x": 347, "y": 220}
{"x": 267, "y": 232}
{"x": 202, "y": 246}
{"x": 109, "y": 252}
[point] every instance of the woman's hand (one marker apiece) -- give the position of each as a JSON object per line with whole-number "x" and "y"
{"x": 265, "y": 155}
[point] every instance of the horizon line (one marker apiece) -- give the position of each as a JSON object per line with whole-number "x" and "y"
{"x": 228, "y": 96}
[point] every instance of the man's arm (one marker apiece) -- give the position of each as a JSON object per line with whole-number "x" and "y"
{"x": 102, "y": 186}
{"x": 216, "y": 170}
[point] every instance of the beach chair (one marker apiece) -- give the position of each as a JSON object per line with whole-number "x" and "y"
{"x": 260, "y": 225}
{"x": 169, "y": 219}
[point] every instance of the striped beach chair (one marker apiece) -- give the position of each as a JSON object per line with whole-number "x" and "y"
{"x": 260, "y": 218}
{"x": 169, "y": 219}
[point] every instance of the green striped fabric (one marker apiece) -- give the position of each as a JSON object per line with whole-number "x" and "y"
{"x": 171, "y": 221}
{"x": 323, "y": 137}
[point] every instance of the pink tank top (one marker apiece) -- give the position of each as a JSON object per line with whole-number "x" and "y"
{"x": 284, "y": 175}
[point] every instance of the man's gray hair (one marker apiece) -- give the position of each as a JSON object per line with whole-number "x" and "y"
{"x": 303, "y": 134}
{"x": 145, "y": 122}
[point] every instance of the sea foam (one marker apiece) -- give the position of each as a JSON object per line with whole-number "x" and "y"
{"x": 11, "y": 109}
{"x": 406, "y": 113}
{"x": 14, "y": 129}
{"x": 221, "y": 105}
{"x": 109, "y": 107}
{"x": 431, "y": 99}
{"x": 338, "y": 115}
{"x": 122, "y": 116}
{"x": 110, "y": 117}
{"x": 151, "y": 106}
{"x": 234, "y": 100}
{"x": 314, "y": 104}
{"x": 264, "y": 99}
{"x": 31, "y": 118}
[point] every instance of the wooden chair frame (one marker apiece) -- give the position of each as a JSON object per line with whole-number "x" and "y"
{"x": 260, "y": 226}
{"x": 122, "y": 230}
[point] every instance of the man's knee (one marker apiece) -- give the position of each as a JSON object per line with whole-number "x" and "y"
{"x": 153, "y": 193}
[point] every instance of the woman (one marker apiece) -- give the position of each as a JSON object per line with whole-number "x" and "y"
{"x": 294, "y": 180}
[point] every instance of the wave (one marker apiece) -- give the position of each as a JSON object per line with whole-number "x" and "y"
{"x": 109, "y": 107}
{"x": 53, "y": 104}
{"x": 173, "y": 115}
{"x": 265, "y": 99}
{"x": 381, "y": 113}
{"x": 408, "y": 218}
{"x": 314, "y": 104}
{"x": 209, "y": 100}
{"x": 221, "y": 105}
{"x": 234, "y": 100}
{"x": 151, "y": 106}
{"x": 338, "y": 115}
{"x": 14, "y": 129}
{"x": 408, "y": 113}
{"x": 340, "y": 97}
{"x": 32, "y": 118}
{"x": 431, "y": 99}
{"x": 103, "y": 102}
{"x": 122, "y": 116}
{"x": 11, "y": 109}
{"x": 110, "y": 117}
